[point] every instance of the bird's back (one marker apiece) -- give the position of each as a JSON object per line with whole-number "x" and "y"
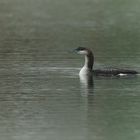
{"x": 113, "y": 72}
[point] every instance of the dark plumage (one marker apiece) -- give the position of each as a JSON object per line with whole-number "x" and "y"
{"x": 113, "y": 72}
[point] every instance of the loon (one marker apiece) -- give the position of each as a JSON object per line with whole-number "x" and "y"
{"x": 88, "y": 66}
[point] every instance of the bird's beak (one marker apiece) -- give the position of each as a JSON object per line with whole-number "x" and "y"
{"x": 72, "y": 51}
{"x": 75, "y": 51}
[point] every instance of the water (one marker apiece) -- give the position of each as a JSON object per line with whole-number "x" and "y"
{"x": 41, "y": 95}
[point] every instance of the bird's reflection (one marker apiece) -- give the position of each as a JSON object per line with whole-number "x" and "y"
{"x": 87, "y": 84}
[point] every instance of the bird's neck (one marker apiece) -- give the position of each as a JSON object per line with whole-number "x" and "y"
{"x": 87, "y": 68}
{"x": 89, "y": 60}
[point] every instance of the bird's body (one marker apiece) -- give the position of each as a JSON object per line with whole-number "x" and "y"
{"x": 113, "y": 72}
{"x": 88, "y": 66}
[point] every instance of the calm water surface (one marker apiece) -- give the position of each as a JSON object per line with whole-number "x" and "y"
{"x": 41, "y": 94}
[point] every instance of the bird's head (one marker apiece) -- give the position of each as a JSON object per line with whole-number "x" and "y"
{"x": 82, "y": 50}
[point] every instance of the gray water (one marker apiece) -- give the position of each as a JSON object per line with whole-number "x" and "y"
{"x": 41, "y": 94}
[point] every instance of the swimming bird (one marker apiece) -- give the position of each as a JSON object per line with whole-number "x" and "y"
{"x": 87, "y": 69}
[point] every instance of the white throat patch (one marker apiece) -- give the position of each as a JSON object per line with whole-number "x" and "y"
{"x": 83, "y": 52}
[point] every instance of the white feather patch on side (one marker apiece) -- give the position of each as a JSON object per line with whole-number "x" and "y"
{"x": 122, "y": 74}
